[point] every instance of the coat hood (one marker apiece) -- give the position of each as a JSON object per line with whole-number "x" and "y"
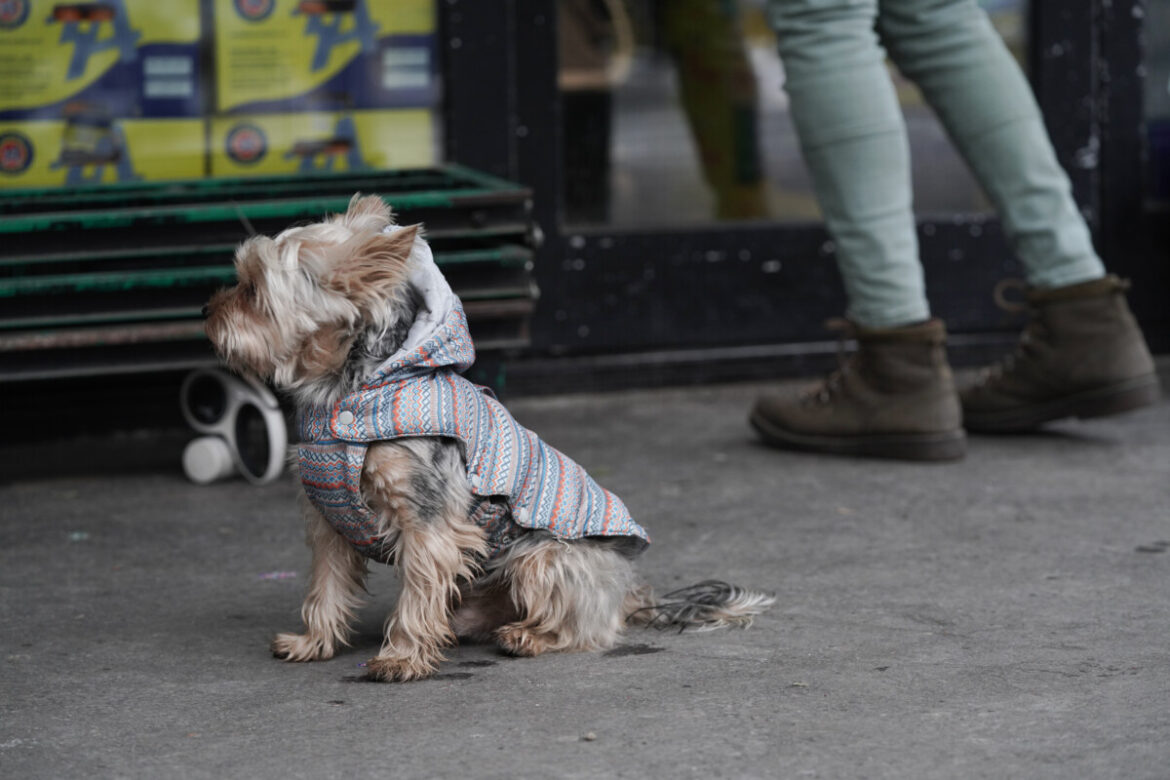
{"x": 439, "y": 337}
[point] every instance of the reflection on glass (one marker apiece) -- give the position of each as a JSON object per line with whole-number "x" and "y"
{"x": 1157, "y": 98}
{"x": 675, "y": 114}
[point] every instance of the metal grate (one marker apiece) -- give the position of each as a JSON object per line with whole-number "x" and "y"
{"x": 111, "y": 279}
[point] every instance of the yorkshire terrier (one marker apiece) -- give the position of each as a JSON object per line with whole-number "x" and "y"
{"x": 496, "y": 535}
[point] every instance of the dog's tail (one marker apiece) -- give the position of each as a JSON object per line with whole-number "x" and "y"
{"x": 704, "y": 606}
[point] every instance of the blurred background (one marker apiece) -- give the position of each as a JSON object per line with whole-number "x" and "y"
{"x": 645, "y": 86}
{"x": 614, "y": 186}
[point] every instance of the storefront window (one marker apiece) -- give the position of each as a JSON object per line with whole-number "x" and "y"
{"x": 649, "y": 141}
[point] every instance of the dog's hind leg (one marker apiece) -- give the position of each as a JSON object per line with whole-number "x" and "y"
{"x": 571, "y": 595}
{"x": 420, "y": 487}
{"x": 336, "y": 582}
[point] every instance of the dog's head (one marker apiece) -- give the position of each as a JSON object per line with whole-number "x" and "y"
{"x": 302, "y": 299}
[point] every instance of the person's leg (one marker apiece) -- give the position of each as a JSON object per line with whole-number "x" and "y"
{"x": 854, "y": 144}
{"x": 952, "y": 52}
{"x": 1082, "y": 354}
{"x": 895, "y": 397}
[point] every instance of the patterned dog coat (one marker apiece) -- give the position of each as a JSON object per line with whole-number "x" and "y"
{"x": 420, "y": 391}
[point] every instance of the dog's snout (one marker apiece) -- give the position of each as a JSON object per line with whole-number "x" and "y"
{"x": 205, "y": 311}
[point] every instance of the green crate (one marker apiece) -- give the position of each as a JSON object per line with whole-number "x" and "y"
{"x": 111, "y": 279}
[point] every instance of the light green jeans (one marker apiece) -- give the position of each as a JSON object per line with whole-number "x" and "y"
{"x": 854, "y": 141}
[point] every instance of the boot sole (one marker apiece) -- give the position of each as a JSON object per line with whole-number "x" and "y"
{"x": 947, "y": 445}
{"x": 1100, "y": 402}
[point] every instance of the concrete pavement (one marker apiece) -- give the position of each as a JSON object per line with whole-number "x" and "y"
{"x": 1007, "y": 616}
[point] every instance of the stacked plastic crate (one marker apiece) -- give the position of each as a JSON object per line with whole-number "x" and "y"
{"x": 139, "y": 142}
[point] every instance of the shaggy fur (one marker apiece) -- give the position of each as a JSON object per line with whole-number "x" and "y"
{"x": 315, "y": 311}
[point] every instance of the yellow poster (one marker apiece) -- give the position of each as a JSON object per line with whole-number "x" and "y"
{"x": 61, "y": 153}
{"x": 270, "y": 50}
{"x": 273, "y": 144}
{"x": 51, "y": 51}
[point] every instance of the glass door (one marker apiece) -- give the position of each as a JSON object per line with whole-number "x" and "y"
{"x": 677, "y": 219}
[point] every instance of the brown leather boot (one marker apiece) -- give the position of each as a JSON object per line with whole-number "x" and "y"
{"x": 893, "y": 398}
{"x": 1081, "y": 355}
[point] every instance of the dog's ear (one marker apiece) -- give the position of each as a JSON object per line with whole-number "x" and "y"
{"x": 371, "y": 266}
{"x": 368, "y": 212}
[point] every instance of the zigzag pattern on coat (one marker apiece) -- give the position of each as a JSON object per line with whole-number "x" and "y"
{"x": 422, "y": 394}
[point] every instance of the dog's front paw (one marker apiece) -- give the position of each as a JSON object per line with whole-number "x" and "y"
{"x": 392, "y": 669}
{"x": 301, "y": 647}
{"x": 516, "y": 639}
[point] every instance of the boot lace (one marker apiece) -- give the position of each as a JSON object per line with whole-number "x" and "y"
{"x": 1035, "y": 332}
{"x": 831, "y": 386}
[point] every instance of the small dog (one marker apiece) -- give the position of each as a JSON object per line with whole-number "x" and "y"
{"x": 496, "y": 535}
